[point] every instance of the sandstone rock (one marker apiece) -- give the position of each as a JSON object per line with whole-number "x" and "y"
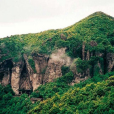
{"x": 21, "y": 76}
{"x": 41, "y": 62}
{"x": 56, "y": 61}
{"x": 5, "y": 72}
{"x": 110, "y": 61}
{"x": 15, "y": 78}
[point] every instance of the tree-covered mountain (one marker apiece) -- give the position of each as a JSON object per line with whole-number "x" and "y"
{"x": 97, "y": 27}
{"x": 49, "y": 65}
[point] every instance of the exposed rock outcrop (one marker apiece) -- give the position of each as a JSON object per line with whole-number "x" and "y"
{"x": 15, "y": 78}
{"x": 22, "y": 77}
{"x": 110, "y": 61}
{"x": 41, "y": 62}
{"x": 56, "y": 61}
{"x": 5, "y": 71}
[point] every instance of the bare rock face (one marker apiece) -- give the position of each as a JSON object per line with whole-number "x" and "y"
{"x": 83, "y": 51}
{"x": 53, "y": 71}
{"x": 5, "y": 72}
{"x": 36, "y": 81}
{"x": 49, "y": 68}
{"x": 41, "y": 62}
{"x": 56, "y": 61}
{"x": 63, "y": 37}
{"x": 6, "y": 78}
{"x": 100, "y": 69}
{"x": 110, "y": 61}
{"x": 22, "y": 77}
{"x": 26, "y": 75}
{"x": 88, "y": 55}
{"x": 15, "y": 78}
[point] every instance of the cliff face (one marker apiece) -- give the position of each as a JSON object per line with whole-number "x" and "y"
{"x": 22, "y": 77}
{"x": 56, "y": 61}
{"x": 110, "y": 62}
{"x": 15, "y": 77}
{"x": 5, "y": 72}
{"x": 41, "y": 62}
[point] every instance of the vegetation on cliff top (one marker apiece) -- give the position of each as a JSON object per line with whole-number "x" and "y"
{"x": 98, "y": 27}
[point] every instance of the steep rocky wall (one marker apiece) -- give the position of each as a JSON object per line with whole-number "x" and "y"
{"x": 41, "y": 62}
{"x": 5, "y": 72}
{"x": 47, "y": 69}
{"x": 15, "y": 77}
{"x": 21, "y": 76}
{"x": 110, "y": 62}
{"x": 56, "y": 61}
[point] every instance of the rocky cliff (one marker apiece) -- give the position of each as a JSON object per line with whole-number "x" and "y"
{"x": 22, "y": 77}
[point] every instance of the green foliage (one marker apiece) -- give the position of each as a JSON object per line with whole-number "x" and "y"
{"x": 64, "y": 69}
{"x": 60, "y": 85}
{"x": 82, "y": 65}
{"x": 96, "y": 27}
{"x": 74, "y": 46}
{"x": 92, "y": 98}
{"x": 31, "y": 62}
{"x": 13, "y": 105}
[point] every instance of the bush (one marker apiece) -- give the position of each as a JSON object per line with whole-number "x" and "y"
{"x": 65, "y": 69}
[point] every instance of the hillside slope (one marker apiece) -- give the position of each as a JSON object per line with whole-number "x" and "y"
{"x": 95, "y": 95}
{"x": 53, "y": 66}
{"x": 93, "y": 98}
{"x": 97, "y": 26}
{"x": 85, "y": 48}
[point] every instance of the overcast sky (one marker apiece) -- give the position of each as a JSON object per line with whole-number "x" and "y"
{"x": 32, "y": 16}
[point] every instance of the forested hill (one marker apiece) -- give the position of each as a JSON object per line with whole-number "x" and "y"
{"x": 70, "y": 69}
{"x": 97, "y": 27}
{"x": 93, "y": 34}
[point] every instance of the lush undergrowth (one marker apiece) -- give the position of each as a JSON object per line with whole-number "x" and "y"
{"x": 83, "y": 98}
{"x": 95, "y": 96}
{"x": 13, "y": 105}
{"x": 59, "y": 86}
